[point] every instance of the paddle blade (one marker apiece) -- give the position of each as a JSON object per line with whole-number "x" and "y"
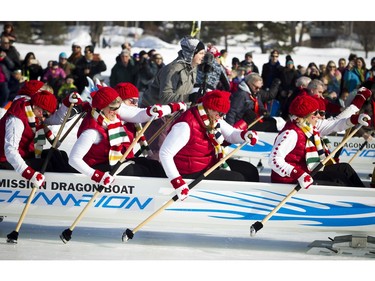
{"x": 66, "y": 235}
{"x": 12, "y": 237}
{"x": 255, "y": 228}
{"x": 128, "y": 234}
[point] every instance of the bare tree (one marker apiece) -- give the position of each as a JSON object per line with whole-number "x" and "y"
{"x": 366, "y": 34}
{"x": 96, "y": 29}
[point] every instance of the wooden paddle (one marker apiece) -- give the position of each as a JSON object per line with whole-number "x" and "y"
{"x": 66, "y": 235}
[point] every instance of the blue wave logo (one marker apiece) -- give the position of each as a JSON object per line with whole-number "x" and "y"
{"x": 260, "y": 146}
{"x": 323, "y": 215}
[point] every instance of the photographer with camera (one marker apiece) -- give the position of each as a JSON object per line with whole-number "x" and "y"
{"x": 211, "y": 75}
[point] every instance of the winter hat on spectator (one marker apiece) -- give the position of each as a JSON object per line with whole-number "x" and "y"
{"x": 103, "y": 97}
{"x": 63, "y": 55}
{"x": 30, "y": 88}
{"x": 213, "y": 50}
{"x": 190, "y": 47}
{"x": 217, "y": 100}
{"x": 288, "y": 60}
{"x": 199, "y": 48}
{"x": 125, "y": 52}
{"x": 303, "y": 105}
{"x": 142, "y": 53}
{"x": 45, "y": 100}
{"x": 127, "y": 90}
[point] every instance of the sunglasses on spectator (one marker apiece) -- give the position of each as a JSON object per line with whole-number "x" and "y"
{"x": 221, "y": 114}
{"x": 256, "y": 88}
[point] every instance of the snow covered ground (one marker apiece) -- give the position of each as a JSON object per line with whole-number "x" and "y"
{"x": 96, "y": 252}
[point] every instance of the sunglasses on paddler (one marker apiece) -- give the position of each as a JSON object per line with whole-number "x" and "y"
{"x": 320, "y": 112}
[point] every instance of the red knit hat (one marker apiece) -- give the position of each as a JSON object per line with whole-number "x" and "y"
{"x": 127, "y": 90}
{"x": 45, "y": 100}
{"x": 103, "y": 97}
{"x": 217, "y": 100}
{"x": 30, "y": 87}
{"x": 303, "y": 105}
{"x": 213, "y": 50}
{"x": 322, "y": 103}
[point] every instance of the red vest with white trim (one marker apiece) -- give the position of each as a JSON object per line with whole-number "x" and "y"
{"x": 296, "y": 158}
{"x": 199, "y": 153}
{"x": 26, "y": 145}
{"x": 98, "y": 153}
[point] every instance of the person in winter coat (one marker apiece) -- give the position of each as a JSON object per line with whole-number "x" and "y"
{"x": 251, "y": 97}
{"x": 31, "y": 67}
{"x": 271, "y": 69}
{"x": 54, "y": 77}
{"x": 288, "y": 77}
{"x": 211, "y": 75}
{"x": 249, "y": 63}
{"x": 23, "y": 134}
{"x": 298, "y": 148}
{"x": 173, "y": 83}
{"x": 8, "y": 50}
{"x": 102, "y": 139}
{"x": 87, "y": 66}
{"x": 195, "y": 143}
{"x": 124, "y": 70}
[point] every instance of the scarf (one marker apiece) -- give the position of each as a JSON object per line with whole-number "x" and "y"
{"x": 214, "y": 135}
{"x": 116, "y": 135}
{"x": 256, "y": 107}
{"x": 40, "y": 131}
{"x": 315, "y": 148}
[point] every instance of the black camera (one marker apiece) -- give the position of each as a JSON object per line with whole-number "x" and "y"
{"x": 207, "y": 62}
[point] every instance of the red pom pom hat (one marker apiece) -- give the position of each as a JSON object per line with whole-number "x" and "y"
{"x": 217, "y": 100}
{"x": 45, "y": 100}
{"x": 303, "y": 105}
{"x": 31, "y": 87}
{"x": 127, "y": 90}
{"x": 103, "y": 97}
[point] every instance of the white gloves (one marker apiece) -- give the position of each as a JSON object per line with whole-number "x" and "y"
{"x": 34, "y": 177}
{"x": 360, "y": 119}
{"x": 177, "y": 106}
{"x": 155, "y": 110}
{"x": 305, "y": 180}
{"x": 103, "y": 178}
{"x": 181, "y": 188}
{"x": 73, "y": 98}
{"x": 250, "y": 136}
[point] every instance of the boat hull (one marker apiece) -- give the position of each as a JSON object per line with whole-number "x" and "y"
{"x": 225, "y": 204}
